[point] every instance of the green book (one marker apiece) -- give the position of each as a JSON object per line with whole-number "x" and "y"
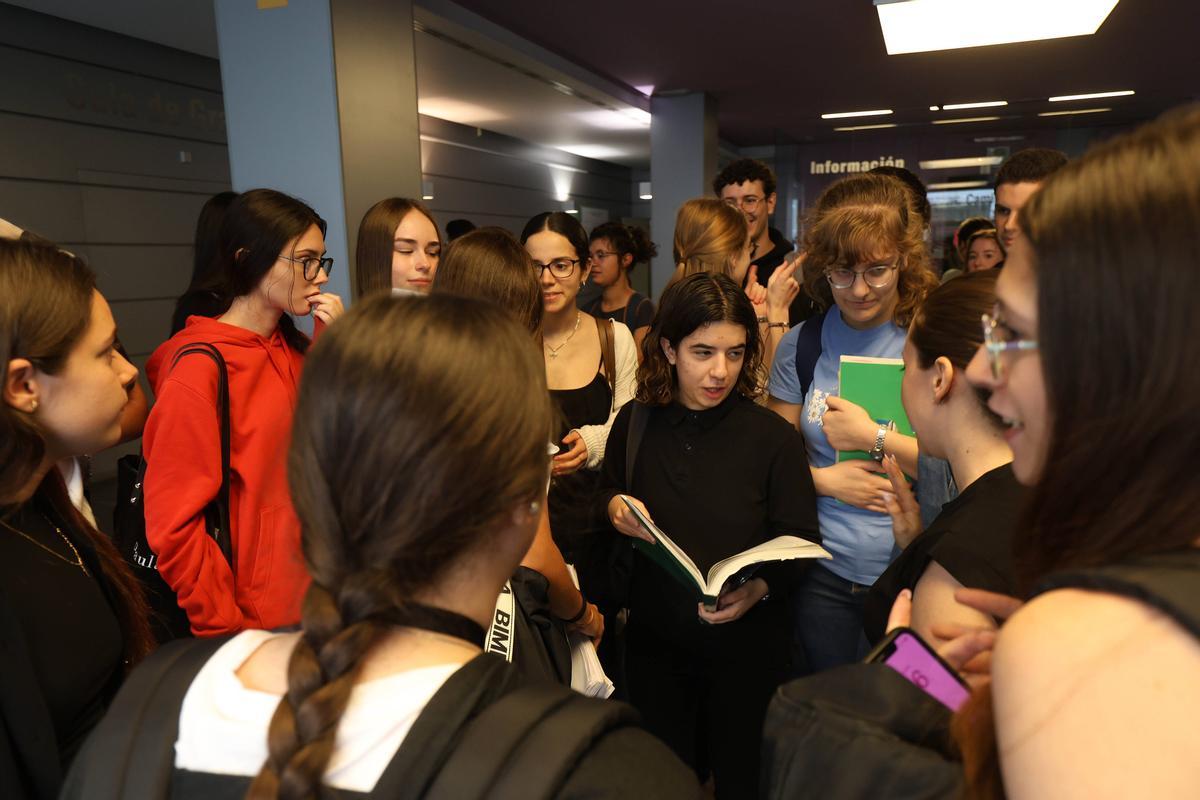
{"x": 874, "y": 384}
{"x": 707, "y": 588}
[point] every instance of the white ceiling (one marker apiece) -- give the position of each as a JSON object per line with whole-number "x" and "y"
{"x": 468, "y": 71}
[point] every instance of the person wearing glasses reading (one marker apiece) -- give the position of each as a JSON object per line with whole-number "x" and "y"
{"x": 272, "y": 264}
{"x": 614, "y": 250}
{"x": 867, "y": 265}
{"x": 589, "y": 386}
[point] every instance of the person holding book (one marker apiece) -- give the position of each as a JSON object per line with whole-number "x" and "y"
{"x": 970, "y": 541}
{"x": 866, "y": 265}
{"x": 700, "y": 459}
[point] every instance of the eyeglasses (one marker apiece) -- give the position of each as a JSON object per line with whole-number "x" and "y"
{"x": 312, "y": 265}
{"x": 600, "y": 255}
{"x": 559, "y": 267}
{"x": 748, "y": 202}
{"x": 876, "y": 277}
{"x": 995, "y": 331}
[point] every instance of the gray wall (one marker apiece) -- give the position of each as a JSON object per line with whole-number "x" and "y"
{"x": 110, "y": 146}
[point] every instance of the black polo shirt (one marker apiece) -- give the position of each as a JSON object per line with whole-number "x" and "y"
{"x": 718, "y": 482}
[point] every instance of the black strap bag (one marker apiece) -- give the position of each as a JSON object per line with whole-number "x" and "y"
{"x": 167, "y": 620}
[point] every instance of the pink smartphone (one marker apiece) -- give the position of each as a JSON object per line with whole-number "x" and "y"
{"x": 907, "y": 653}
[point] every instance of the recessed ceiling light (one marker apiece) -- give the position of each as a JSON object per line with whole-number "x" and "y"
{"x": 843, "y": 114}
{"x": 1074, "y": 111}
{"x": 934, "y": 108}
{"x": 990, "y": 139}
{"x": 644, "y": 191}
{"x": 954, "y": 163}
{"x": 963, "y": 119}
{"x": 918, "y": 26}
{"x": 958, "y": 185}
{"x": 983, "y": 104}
{"x": 866, "y": 127}
{"x": 1093, "y": 96}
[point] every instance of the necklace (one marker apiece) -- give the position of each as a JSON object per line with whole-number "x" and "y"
{"x": 78, "y": 562}
{"x": 554, "y": 350}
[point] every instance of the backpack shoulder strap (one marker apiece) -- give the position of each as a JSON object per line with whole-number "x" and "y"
{"x": 224, "y": 537}
{"x": 808, "y": 350}
{"x": 639, "y": 415}
{"x": 525, "y": 744}
{"x": 608, "y": 355}
{"x": 1165, "y": 581}
{"x": 131, "y": 754}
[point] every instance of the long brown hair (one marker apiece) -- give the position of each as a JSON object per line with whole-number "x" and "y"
{"x": 1116, "y": 250}
{"x": 45, "y": 308}
{"x": 421, "y": 425}
{"x": 376, "y": 242}
{"x": 491, "y": 264}
{"x": 852, "y": 219}
{"x": 688, "y": 304}
{"x": 709, "y": 236}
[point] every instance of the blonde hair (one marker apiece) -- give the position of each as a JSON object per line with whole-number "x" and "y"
{"x": 709, "y": 237}
{"x": 852, "y": 220}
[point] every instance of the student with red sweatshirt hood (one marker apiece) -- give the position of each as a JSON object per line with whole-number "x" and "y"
{"x": 271, "y": 264}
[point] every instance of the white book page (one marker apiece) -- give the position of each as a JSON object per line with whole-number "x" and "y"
{"x": 666, "y": 542}
{"x": 781, "y": 548}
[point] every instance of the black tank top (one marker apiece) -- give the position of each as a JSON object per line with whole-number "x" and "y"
{"x": 571, "y": 500}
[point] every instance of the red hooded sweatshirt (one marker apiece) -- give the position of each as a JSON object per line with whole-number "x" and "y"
{"x": 182, "y": 448}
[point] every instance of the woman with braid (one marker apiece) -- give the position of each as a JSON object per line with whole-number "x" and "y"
{"x": 418, "y": 468}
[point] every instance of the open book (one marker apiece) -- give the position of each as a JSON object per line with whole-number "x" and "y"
{"x": 671, "y": 557}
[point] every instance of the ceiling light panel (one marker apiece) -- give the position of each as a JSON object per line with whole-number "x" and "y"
{"x": 1094, "y": 96}
{"x": 1073, "y": 112}
{"x": 963, "y": 119}
{"x": 955, "y": 163}
{"x": 866, "y": 127}
{"x": 919, "y": 26}
{"x": 845, "y": 114}
{"x": 957, "y": 185}
{"x": 983, "y": 104}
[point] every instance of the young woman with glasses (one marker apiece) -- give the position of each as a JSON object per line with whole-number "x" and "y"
{"x": 867, "y": 265}
{"x": 614, "y": 250}
{"x": 588, "y": 391}
{"x": 272, "y": 265}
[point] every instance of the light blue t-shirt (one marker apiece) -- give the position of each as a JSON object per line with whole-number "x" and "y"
{"x": 860, "y": 541}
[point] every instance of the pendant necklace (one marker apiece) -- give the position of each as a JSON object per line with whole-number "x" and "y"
{"x": 554, "y": 350}
{"x": 78, "y": 562}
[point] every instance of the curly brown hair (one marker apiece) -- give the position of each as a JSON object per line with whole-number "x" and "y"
{"x": 688, "y": 304}
{"x": 856, "y": 218}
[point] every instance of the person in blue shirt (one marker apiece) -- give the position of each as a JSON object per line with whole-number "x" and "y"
{"x": 866, "y": 264}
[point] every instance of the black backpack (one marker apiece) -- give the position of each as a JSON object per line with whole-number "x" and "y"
{"x": 481, "y": 735}
{"x": 167, "y": 620}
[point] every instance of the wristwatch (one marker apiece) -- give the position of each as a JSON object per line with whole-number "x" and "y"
{"x": 877, "y": 451}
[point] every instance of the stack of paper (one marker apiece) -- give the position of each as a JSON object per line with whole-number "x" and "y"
{"x": 587, "y": 676}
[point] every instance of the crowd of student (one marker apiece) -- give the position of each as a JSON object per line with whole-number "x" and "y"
{"x": 470, "y": 431}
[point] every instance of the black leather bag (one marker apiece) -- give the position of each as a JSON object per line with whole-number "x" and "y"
{"x": 526, "y": 633}
{"x": 167, "y": 620}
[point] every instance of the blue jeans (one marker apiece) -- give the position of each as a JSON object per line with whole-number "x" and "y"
{"x": 828, "y": 621}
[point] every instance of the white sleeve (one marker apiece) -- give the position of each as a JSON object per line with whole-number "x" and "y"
{"x": 625, "y": 353}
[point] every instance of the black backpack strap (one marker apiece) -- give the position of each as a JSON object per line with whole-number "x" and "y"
{"x": 808, "y": 351}
{"x": 524, "y": 745}
{"x": 1164, "y": 581}
{"x": 219, "y": 521}
{"x": 131, "y": 753}
{"x": 639, "y": 415}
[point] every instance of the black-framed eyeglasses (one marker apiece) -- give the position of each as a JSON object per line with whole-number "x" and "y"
{"x": 600, "y": 255}
{"x": 876, "y": 277}
{"x": 312, "y": 265}
{"x": 996, "y": 341}
{"x": 559, "y": 267}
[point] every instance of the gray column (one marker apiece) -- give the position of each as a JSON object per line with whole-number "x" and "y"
{"x": 321, "y": 103}
{"x": 683, "y": 163}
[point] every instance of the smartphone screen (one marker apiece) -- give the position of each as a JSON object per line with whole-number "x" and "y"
{"x": 905, "y": 652}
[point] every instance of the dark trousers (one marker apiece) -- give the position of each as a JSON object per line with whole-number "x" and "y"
{"x": 707, "y": 698}
{"x": 829, "y": 619}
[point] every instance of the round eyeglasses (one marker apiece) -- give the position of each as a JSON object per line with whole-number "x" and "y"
{"x": 559, "y": 267}
{"x": 997, "y": 339}
{"x": 876, "y": 277}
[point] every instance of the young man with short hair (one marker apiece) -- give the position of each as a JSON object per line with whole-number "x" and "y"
{"x": 1018, "y": 178}
{"x": 749, "y": 186}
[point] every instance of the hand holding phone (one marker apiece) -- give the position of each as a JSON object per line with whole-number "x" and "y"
{"x": 907, "y": 653}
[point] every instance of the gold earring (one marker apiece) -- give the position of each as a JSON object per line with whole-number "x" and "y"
{"x": 33, "y": 406}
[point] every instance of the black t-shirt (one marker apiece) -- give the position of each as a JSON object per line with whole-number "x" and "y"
{"x": 971, "y": 538}
{"x": 71, "y": 633}
{"x": 718, "y": 482}
{"x": 637, "y": 313}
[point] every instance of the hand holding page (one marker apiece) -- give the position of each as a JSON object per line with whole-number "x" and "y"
{"x": 680, "y": 566}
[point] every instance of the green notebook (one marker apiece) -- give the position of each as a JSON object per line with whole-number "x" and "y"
{"x": 707, "y": 588}
{"x": 874, "y": 384}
